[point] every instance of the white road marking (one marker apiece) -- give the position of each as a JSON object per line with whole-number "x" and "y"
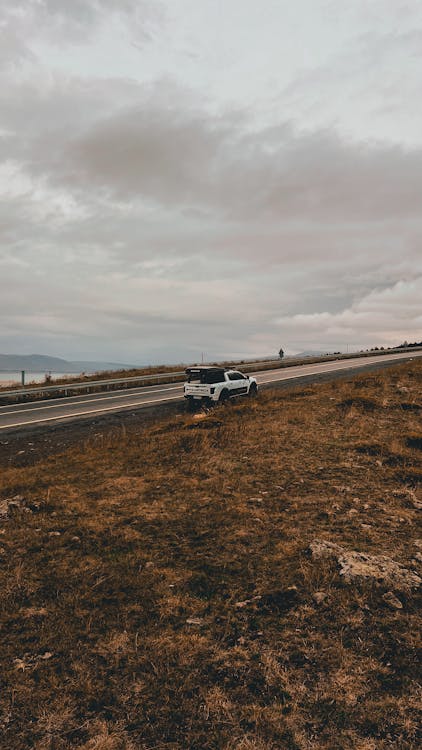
{"x": 308, "y": 372}
{"x": 82, "y": 413}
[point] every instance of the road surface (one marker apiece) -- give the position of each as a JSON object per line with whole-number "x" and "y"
{"x": 31, "y": 414}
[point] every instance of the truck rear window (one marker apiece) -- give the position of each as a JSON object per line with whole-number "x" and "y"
{"x": 206, "y": 377}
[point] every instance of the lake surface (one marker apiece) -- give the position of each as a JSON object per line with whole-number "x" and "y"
{"x": 31, "y": 377}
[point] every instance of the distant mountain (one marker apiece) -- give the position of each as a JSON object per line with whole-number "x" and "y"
{"x": 44, "y": 363}
{"x": 100, "y": 366}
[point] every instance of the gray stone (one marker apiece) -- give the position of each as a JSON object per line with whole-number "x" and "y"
{"x": 241, "y": 605}
{"x": 322, "y": 550}
{"x": 320, "y": 597}
{"x": 358, "y": 566}
{"x": 355, "y": 566}
{"x": 392, "y": 600}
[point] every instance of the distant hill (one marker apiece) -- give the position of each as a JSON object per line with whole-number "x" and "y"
{"x": 44, "y": 363}
{"x": 100, "y": 366}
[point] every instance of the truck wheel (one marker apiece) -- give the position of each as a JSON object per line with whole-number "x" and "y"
{"x": 253, "y": 391}
{"x": 224, "y": 397}
{"x": 190, "y": 403}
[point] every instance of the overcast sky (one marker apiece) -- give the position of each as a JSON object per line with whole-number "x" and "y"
{"x": 217, "y": 176}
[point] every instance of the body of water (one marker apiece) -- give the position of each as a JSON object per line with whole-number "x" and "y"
{"x": 30, "y": 377}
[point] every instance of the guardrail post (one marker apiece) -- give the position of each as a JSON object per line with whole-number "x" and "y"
{"x": 23, "y": 378}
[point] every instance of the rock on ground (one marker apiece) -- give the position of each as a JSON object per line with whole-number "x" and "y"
{"x": 358, "y": 566}
{"x": 392, "y": 600}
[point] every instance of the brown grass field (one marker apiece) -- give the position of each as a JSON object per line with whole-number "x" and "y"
{"x": 158, "y": 591}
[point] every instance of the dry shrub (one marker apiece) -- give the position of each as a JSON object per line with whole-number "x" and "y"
{"x": 414, "y": 441}
{"x": 106, "y": 736}
{"x": 362, "y": 403}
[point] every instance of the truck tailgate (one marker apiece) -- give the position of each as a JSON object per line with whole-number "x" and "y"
{"x": 197, "y": 390}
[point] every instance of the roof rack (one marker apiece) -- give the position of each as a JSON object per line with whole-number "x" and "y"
{"x": 204, "y": 367}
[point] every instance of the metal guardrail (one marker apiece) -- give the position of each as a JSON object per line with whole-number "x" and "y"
{"x": 88, "y": 384}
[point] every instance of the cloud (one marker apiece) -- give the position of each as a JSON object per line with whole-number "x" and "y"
{"x": 154, "y": 215}
{"x": 389, "y": 316}
{"x": 167, "y": 150}
{"x": 26, "y": 25}
{"x": 141, "y": 216}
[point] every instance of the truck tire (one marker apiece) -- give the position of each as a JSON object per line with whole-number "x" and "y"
{"x": 224, "y": 397}
{"x": 190, "y": 403}
{"x": 253, "y": 391}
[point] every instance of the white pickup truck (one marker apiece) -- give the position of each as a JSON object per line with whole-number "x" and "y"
{"x": 216, "y": 384}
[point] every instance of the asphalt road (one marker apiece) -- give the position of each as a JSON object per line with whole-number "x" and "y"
{"x": 76, "y": 408}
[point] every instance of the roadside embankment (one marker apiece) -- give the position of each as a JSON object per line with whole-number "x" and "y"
{"x": 243, "y": 579}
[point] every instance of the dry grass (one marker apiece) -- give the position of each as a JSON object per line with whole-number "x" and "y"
{"x": 158, "y": 592}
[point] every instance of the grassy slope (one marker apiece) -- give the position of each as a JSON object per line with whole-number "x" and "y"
{"x": 120, "y": 593}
